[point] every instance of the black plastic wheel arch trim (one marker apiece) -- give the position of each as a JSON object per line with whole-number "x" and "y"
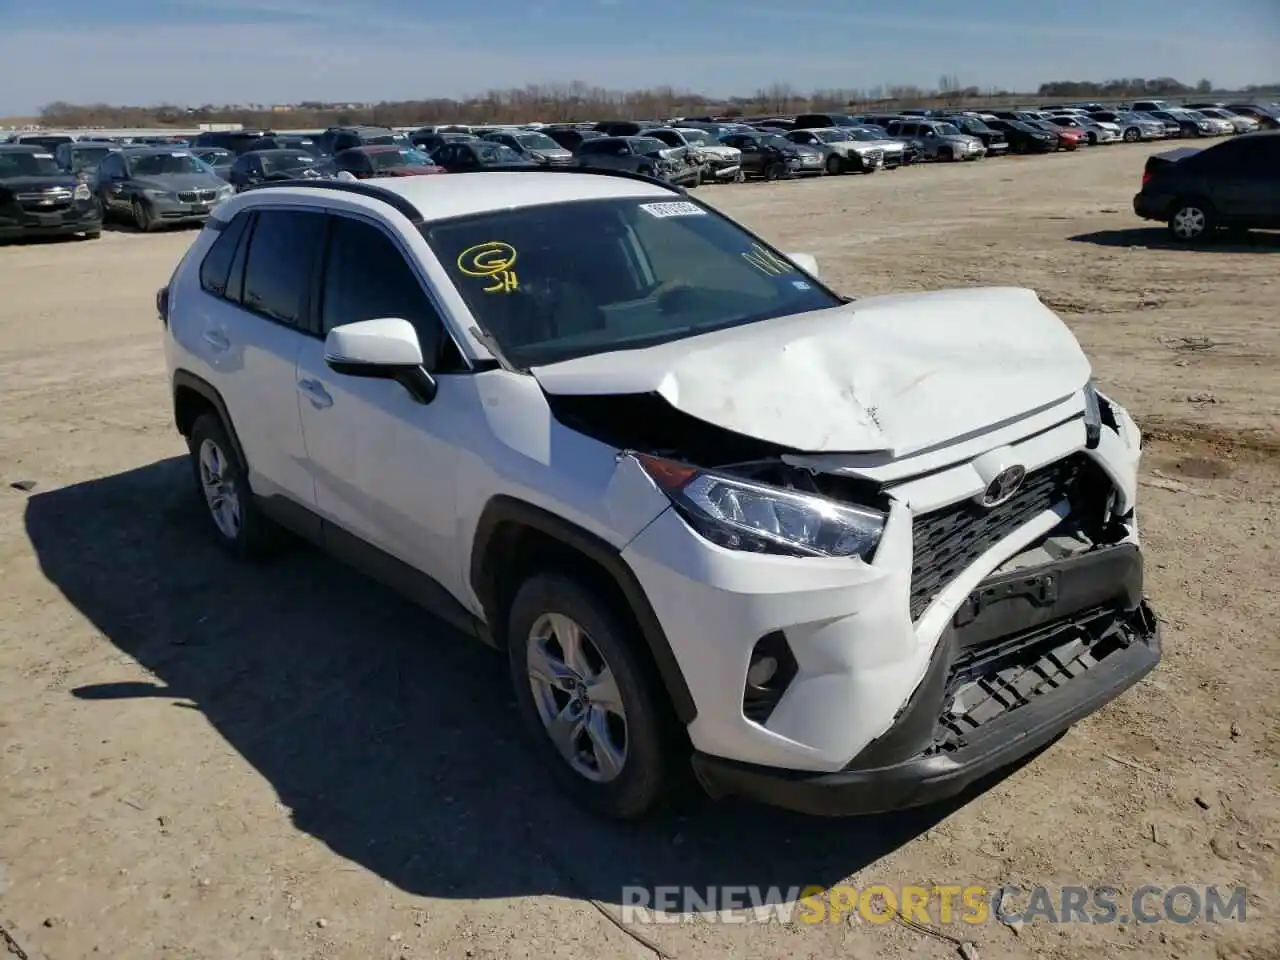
{"x": 484, "y": 575}
{"x": 183, "y": 379}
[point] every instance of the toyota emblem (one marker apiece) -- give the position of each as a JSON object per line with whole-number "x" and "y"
{"x": 1004, "y": 485}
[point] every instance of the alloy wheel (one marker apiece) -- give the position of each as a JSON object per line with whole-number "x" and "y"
{"x": 577, "y": 697}
{"x": 220, "y": 491}
{"x": 1189, "y": 222}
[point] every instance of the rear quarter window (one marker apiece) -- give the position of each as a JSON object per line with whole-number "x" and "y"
{"x": 215, "y": 269}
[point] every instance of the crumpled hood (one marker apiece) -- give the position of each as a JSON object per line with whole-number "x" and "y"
{"x": 723, "y": 151}
{"x": 897, "y": 374}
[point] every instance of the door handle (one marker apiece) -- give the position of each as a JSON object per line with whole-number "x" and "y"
{"x": 216, "y": 340}
{"x": 316, "y": 393}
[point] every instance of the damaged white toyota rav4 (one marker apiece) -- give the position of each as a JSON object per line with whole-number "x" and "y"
{"x": 842, "y": 556}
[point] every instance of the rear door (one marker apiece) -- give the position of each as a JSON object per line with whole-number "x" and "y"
{"x": 250, "y": 327}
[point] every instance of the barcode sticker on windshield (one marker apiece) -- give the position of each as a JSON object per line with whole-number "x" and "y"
{"x": 679, "y": 208}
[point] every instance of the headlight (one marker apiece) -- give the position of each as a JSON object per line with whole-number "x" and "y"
{"x": 1092, "y": 417}
{"x": 158, "y": 194}
{"x": 743, "y": 515}
{"x": 82, "y": 191}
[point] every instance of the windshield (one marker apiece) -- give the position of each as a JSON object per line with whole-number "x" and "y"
{"x": 160, "y": 164}
{"x": 537, "y": 141}
{"x": 863, "y": 134}
{"x": 698, "y": 137}
{"x": 388, "y": 140}
{"x": 974, "y": 125}
{"x": 490, "y": 152}
{"x": 216, "y": 156}
{"x": 947, "y": 130}
{"x": 773, "y": 140}
{"x": 27, "y": 165}
{"x": 84, "y": 157}
{"x": 831, "y": 136}
{"x": 648, "y": 145}
{"x": 550, "y": 283}
{"x": 385, "y": 159}
{"x": 280, "y": 162}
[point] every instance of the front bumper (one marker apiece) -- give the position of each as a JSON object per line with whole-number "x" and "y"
{"x": 1060, "y": 694}
{"x": 74, "y": 219}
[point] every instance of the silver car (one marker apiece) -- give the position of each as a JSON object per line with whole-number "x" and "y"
{"x": 938, "y": 140}
{"x": 153, "y": 186}
{"x": 720, "y": 162}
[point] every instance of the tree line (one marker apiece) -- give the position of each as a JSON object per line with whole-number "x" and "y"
{"x": 579, "y": 101}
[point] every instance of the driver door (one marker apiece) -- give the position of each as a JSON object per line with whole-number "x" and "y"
{"x": 384, "y": 465}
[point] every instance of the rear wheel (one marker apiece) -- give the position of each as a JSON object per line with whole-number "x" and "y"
{"x": 1132, "y": 135}
{"x": 835, "y": 165}
{"x": 1192, "y": 220}
{"x": 239, "y": 527}
{"x": 588, "y": 697}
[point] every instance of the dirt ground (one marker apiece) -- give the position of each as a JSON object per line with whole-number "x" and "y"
{"x": 202, "y": 761}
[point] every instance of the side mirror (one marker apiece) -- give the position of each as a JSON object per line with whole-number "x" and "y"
{"x": 806, "y": 262}
{"x": 382, "y": 349}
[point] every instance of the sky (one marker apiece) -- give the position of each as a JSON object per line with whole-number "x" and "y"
{"x": 146, "y": 52}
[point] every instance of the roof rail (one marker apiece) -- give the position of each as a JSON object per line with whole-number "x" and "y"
{"x": 366, "y": 189}
{"x": 360, "y": 187}
{"x": 594, "y": 171}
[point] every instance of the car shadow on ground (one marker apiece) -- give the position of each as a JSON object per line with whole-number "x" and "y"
{"x": 1157, "y": 238}
{"x": 392, "y": 738}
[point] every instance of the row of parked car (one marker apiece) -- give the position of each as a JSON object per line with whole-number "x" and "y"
{"x": 60, "y": 184}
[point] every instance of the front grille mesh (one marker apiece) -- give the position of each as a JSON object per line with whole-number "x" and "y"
{"x": 197, "y": 196}
{"x": 946, "y": 541}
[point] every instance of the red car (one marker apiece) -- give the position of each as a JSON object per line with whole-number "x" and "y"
{"x": 383, "y": 161}
{"x": 1068, "y": 137}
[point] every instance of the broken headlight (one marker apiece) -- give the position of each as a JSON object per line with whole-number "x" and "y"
{"x": 1092, "y": 417}
{"x": 745, "y": 515}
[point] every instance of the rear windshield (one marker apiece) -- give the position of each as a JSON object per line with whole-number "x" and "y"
{"x": 549, "y": 283}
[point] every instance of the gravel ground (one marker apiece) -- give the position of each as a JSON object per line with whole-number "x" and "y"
{"x": 203, "y": 762}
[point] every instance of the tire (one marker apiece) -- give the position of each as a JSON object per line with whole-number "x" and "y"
{"x": 239, "y": 527}
{"x": 834, "y": 165}
{"x": 775, "y": 171}
{"x": 1192, "y": 220}
{"x": 1132, "y": 135}
{"x": 1093, "y": 139}
{"x": 93, "y": 234}
{"x": 143, "y": 218}
{"x": 622, "y": 771}
{"x": 946, "y": 154}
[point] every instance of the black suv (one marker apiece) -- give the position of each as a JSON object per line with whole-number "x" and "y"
{"x": 237, "y": 141}
{"x": 1232, "y": 184}
{"x": 37, "y": 199}
{"x": 336, "y": 139}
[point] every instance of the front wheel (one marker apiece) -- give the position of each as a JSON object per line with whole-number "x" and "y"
{"x": 1132, "y": 135}
{"x": 143, "y": 218}
{"x": 834, "y": 165}
{"x": 588, "y": 695}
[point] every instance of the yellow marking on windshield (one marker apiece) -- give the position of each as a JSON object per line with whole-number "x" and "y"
{"x": 491, "y": 260}
{"x": 768, "y": 262}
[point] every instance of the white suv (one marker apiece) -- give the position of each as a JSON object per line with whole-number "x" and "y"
{"x": 837, "y": 555}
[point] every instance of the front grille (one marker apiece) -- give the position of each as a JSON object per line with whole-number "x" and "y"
{"x": 45, "y": 201}
{"x": 197, "y": 196}
{"x": 874, "y": 155}
{"x": 947, "y": 541}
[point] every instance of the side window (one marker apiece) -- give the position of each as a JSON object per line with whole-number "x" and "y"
{"x": 215, "y": 269}
{"x": 366, "y": 277}
{"x": 277, "y": 273}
